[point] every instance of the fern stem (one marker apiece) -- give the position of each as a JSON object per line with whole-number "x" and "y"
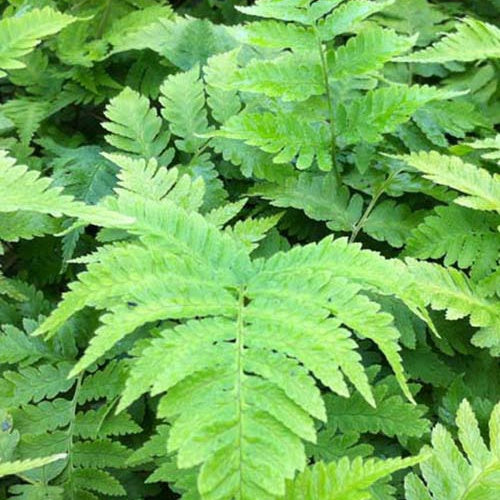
{"x": 239, "y": 373}
{"x": 369, "y": 209}
{"x": 333, "y": 130}
{"x": 71, "y": 427}
{"x": 104, "y": 20}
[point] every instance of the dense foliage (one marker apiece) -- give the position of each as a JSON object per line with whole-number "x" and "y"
{"x": 249, "y": 250}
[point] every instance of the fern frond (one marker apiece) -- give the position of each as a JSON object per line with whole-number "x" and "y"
{"x": 19, "y": 35}
{"x": 219, "y": 72}
{"x": 392, "y": 223}
{"x": 392, "y": 415}
{"x": 156, "y": 182}
{"x": 472, "y": 41}
{"x": 278, "y": 35}
{"x": 471, "y": 474}
{"x": 43, "y": 417}
{"x": 300, "y": 11}
{"x": 348, "y": 17}
{"x": 462, "y": 236}
{"x": 482, "y": 188}
{"x": 24, "y": 189}
{"x": 99, "y": 481}
{"x": 380, "y": 111}
{"x": 183, "y": 101}
{"x": 27, "y": 114}
{"x": 319, "y": 196}
{"x": 489, "y": 143}
{"x": 368, "y": 51}
{"x": 100, "y": 454}
{"x": 292, "y": 77}
{"x": 269, "y": 330}
{"x": 449, "y": 289}
{"x": 282, "y": 135}
{"x": 26, "y": 225}
{"x": 19, "y": 466}
{"x": 345, "y": 479}
{"x": 34, "y": 384}
{"x": 454, "y": 118}
{"x": 135, "y": 127}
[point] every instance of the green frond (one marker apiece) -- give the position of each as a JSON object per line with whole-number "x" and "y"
{"x": 319, "y": 196}
{"x": 136, "y": 20}
{"x": 367, "y": 52}
{"x": 19, "y": 35}
{"x": 99, "y": 481}
{"x": 392, "y": 223}
{"x": 22, "y": 189}
{"x": 472, "y": 41}
{"x": 392, "y": 415}
{"x": 462, "y": 236}
{"x": 455, "y": 118}
{"x": 219, "y": 73}
{"x": 103, "y": 423}
{"x": 135, "y": 127}
{"x": 19, "y": 466}
{"x": 381, "y": 111}
{"x": 348, "y": 17}
{"x": 107, "y": 383}
{"x": 278, "y": 35}
{"x": 34, "y": 384}
{"x": 27, "y": 114}
{"x": 100, "y": 454}
{"x": 449, "y": 289}
{"x": 282, "y": 135}
{"x": 345, "y": 479}
{"x": 26, "y": 225}
{"x": 471, "y": 472}
{"x": 489, "y": 143}
{"x": 183, "y": 101}
{"x": 7, "y": 287}
{"x": 270, "y": 330}
{"x": 251, "y": 231}
{"x": 156, "y": 183}
{"x": 300, "y": 11}
{"x": 292, "y": 77}
{"x": 44, "y": 417}
{"x": 481, "y": 188}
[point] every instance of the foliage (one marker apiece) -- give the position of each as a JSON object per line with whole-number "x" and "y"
{"x": 250, "y": 250}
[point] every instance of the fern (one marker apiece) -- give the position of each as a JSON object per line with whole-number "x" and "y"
{"x": 344, "y": 479}
{"x": 20, "y": 35}
{"x": 134, "y": 126}
{"x": 473, "y": 40}
{"x": 228, "y": 346}
{"x": 462, "y": 236}
{"x": 449, "y": 472}
{"x": 249, "y": 250}
{"x": 482, "y": 188}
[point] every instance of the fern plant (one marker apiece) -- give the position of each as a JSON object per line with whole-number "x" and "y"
{"x": 249, "y": 250}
